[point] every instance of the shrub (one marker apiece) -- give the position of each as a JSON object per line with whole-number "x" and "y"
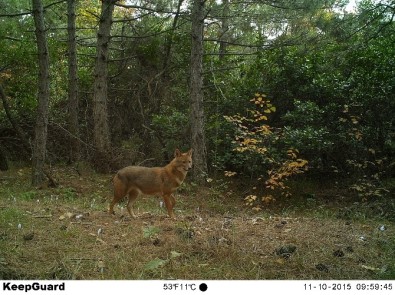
{"x": 261, "y": 141}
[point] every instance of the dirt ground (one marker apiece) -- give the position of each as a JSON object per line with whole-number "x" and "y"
{"x": 66, "y": 233}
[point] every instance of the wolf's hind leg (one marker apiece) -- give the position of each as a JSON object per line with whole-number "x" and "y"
{"x": 133, "y": 194}
{"x": 119, "y": 193}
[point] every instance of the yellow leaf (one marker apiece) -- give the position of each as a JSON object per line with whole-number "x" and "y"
{"x": 280, "y": 261}
{"x": 268, "y": 199}
{"x": 354, "y": 120}
{"x": 230, "y": 173}
{"x": 358, "y": 135}
{"x": 250, "y": 198}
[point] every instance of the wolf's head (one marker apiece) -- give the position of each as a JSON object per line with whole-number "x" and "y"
{"x": 183, "y": 161}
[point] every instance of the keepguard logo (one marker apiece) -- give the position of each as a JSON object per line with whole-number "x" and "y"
{"x": 35, "y": 286}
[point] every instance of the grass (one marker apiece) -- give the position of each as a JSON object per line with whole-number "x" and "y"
{"x": 66, "y": 233}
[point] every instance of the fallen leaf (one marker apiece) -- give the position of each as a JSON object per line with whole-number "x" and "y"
{"x": 69, "y": 214}
{"x": 175, "y": 254}
{"x": 154, "y": 264}
{"x": 370, "y": 267}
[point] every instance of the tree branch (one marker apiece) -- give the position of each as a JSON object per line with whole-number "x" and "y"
{"x": 16, "y": 127}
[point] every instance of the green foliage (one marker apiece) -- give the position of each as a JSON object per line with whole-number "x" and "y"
{"x": 307, "y": 139}
{"x": 68, "y": 193}
{"x": 150, "y": 231}
{"x": 29, "y": 195}
{"x": 369, "y": 188}
{"x": 154, "y": 264}
{"x": 157, "y": 262}
{"x": 305, "y": 132}
{"x": 341, "y": 91}
{"x": 171, "y": 128}
{"x": 304, "y": 113}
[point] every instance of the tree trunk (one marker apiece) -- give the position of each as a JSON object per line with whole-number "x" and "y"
{"x": 196, "y": 92}
{"x": 3, "y": 160}
{"x": 17, "y": 128}
{"x": 169, "y": 42}
{"x": 224, "y": 29}
{"x": 101, "y": 132}
{"x": 72, "y": 83}
{"x": 40, "y": 140}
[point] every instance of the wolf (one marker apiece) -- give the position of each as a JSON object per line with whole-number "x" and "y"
{"x": 136, "y": 180}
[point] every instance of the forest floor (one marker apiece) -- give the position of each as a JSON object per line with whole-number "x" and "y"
{"x": 66, "y": 233}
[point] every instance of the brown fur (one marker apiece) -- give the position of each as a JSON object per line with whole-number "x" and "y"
{"x": 136, "y": 180}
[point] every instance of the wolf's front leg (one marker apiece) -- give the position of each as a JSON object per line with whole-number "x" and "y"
{"x": 169, "y": 202}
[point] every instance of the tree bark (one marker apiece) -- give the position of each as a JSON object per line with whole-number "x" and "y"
{"x": 224, "y": 29}
{"x": 101, "y": 131}
{"x": 72, "y": 83}
{"x": 3, "y": 160}
{"x": 196, "y": 93}
{"x": 41, "y": 128}
{"x": 169, "y": 42}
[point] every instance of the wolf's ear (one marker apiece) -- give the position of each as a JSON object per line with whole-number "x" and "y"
{"x": 190, "y": 152}
{"x": 177, "y": 153}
